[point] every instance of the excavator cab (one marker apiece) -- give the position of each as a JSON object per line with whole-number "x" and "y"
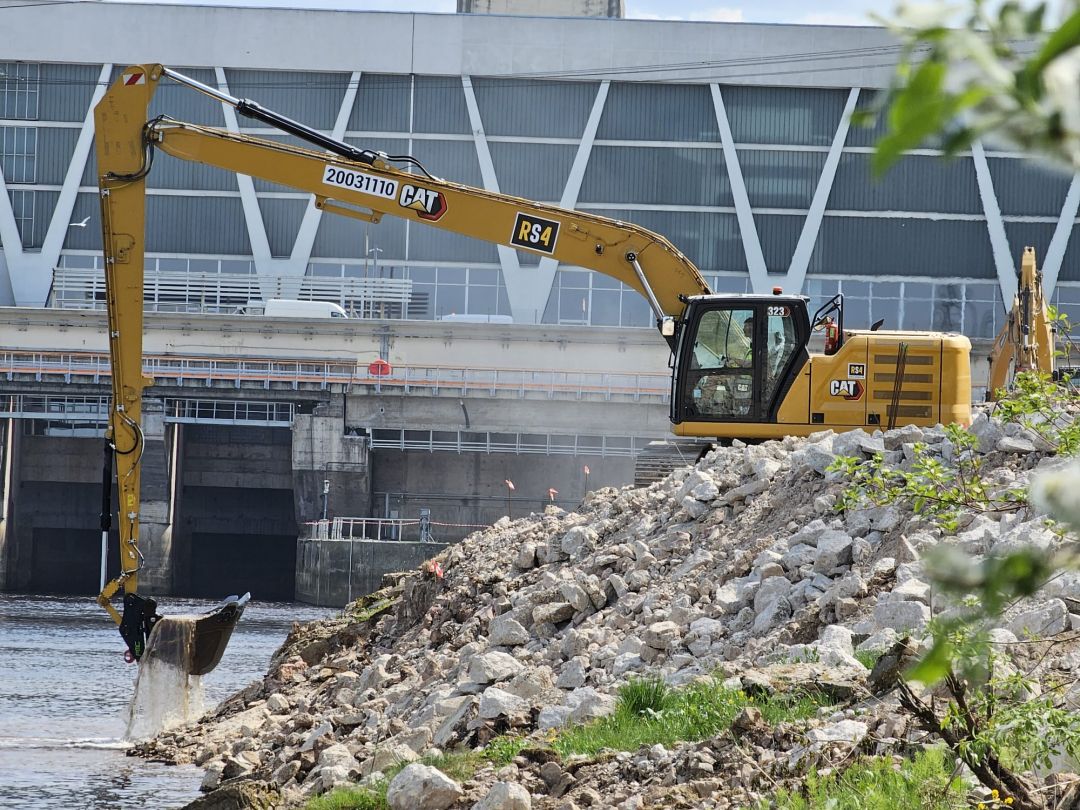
{"x": 737, "y": 356}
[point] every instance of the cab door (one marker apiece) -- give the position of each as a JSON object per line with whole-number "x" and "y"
{"x": 719, "y": 373}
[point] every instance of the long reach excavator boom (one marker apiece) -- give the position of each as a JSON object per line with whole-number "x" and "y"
{"x": 742, "y": 367}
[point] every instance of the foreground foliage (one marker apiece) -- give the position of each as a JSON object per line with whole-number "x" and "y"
{"x": 928, "y": 782}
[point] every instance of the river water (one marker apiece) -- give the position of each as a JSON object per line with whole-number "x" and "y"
{"x": 64, "y": 695}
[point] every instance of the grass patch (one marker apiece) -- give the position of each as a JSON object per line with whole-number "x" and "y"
{"x": 458, "y": 765}
{"x": 646, "y": 715}
{"x": 351, "y": 798}
{"x": 924, "y": 783}
{"x": 867, "y": 658}
{"x": 502, "y": 750}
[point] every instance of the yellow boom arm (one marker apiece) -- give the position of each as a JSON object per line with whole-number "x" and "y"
{"x": 359, "y": 184}
{"x": 1026, "y": 341}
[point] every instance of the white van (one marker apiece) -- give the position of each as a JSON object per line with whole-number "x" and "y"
{"x": 289, "y": 308}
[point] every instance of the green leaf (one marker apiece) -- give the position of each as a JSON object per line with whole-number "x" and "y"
{"x": 1065, "y": 38}
{"x": 934, "y": 665}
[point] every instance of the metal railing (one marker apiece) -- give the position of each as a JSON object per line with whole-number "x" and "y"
{"x": 518, "y": 443}
{"x": 94, "y": 410}
{"x": 295, "y": 373}
{"x": 234, "y": 293}
{"x": 354, "y": 528}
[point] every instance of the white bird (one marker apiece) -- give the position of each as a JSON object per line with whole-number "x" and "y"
{"x": 79, "y": 224}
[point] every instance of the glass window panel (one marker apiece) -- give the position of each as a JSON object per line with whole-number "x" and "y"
{"x": 923, "y": 292}
{"x": 484, "y": 275}
{"x": 729, "y": 284}
{"x": 917, "y": 316}
{"x": 450, "y": 300}
{"x": 202, "y": 265}
{"x": 422, "y": 301}
{"x": 605, "y": 307}
{"x": 822, "y": 287}
{"x": 979, "y": 319}
{"x": 886, "y": 289}
{"x": 483, "y": 301}
{"x": 574, "y": 279}
{"x": 983, "y": 292}
{"x": 422, "y": 274}
{"x": 452, "y": 275}
{"x": 237, "y": 266}
{"x": 887, "y": 308}
{"x": 635, "y": 310}
{"x": 948, "y": 308}
{"x": 573, "y": 306}
{"x": 855, "y": 289}
{"x": 856, "y": 312}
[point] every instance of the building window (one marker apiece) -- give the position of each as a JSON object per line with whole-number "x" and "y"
{"x": 19, "y": 90}
{"x": 18, "y": 154}
{"x": 22, "y": 205}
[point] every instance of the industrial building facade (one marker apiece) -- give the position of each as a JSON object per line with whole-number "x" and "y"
{"x": 732, "y": 140}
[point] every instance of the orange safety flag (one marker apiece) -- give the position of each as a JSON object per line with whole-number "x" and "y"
{"x": 552, "y": 492}
{"x": 586, "y": 469}
{"x": 509, "y": 484}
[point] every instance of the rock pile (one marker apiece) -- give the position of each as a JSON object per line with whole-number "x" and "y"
{"x": 738, "y": 567}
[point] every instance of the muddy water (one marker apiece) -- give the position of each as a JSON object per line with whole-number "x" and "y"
{"x": 64, "y": 695}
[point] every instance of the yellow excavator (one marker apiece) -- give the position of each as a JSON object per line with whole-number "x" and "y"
{"x": 742, "y": 365}
{"x": 1029, "y": 340}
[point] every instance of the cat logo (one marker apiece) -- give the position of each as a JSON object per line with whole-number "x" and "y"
{"x": 427, "y": 203}
{"x": 848, "y": 389}
{"x": 535, "y": 233}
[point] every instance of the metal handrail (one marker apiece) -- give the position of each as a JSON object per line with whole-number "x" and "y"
{"x": 431, "y": 379}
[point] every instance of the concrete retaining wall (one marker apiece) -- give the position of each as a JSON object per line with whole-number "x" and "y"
{"x": 332, "y": 573}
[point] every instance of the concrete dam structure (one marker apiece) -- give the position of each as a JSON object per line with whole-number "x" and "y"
{"x": 246, "y": 453}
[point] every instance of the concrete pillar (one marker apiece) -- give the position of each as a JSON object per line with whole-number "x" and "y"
{"x": 155, "y": 535}
{"x": 14, "y": 574}
{"x": 321, "y": 453}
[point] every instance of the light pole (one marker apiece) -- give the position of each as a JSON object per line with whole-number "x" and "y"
{"x": 375, "y": 262}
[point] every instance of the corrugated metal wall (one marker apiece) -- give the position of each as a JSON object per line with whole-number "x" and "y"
{"x": 382, "y": 103}
{"x": 780, "y": 179}
{"x": 903, "y": 247}
{"x": 534, "y": 108}
{"x": 916, "y": 183}
{"x": 308, "y": 97}
{"x": 784, "y": 115}
{"x": 648, "y": 174}
{"x": 66, "y": 91}
{"x": 1028, "y": 187}
{"x": 711, "y": 240}
{"x": 205, "y": 224}
{"x": 439, "y": 105}
{"x": 536, "y": 171}
{"x": 281, "y": 218}
{"x": 658, "y": 112}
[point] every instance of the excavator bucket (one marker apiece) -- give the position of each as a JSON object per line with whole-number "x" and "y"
{"x": 193, "y": 643}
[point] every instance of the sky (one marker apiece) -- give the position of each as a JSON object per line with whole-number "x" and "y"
{"x": 824, "y": 12}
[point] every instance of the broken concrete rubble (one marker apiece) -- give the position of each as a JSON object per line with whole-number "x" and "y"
{"x": 738, "y": 567}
